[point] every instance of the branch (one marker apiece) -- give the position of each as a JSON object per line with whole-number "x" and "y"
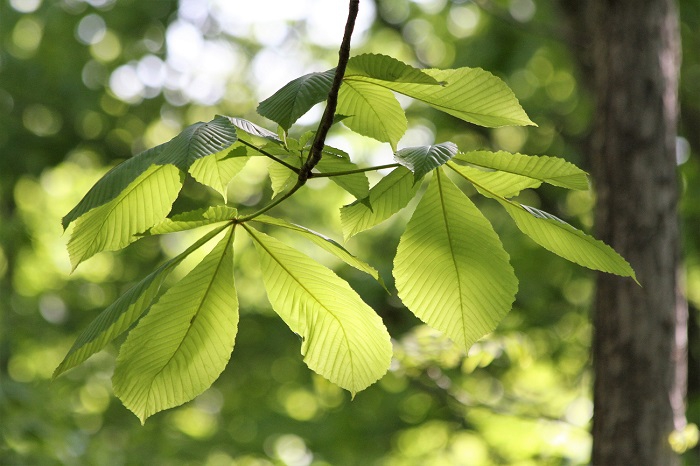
{"x": 332, "y": 102}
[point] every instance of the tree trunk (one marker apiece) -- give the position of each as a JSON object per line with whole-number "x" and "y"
{"x": 640, "y": 339}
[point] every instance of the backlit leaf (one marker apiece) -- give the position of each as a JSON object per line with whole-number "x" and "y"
{"x": 372, "y": 111}
{"x": 552, "y": 170}
{"x": 566, "y": 241}
{"x": 217, "y": 170}
{"x": 114, "y": 225}
{"x": 184, "y": 342}
{"x": 471, "y": 94}
{"x": 194, "y": 219}
{"x": 495, "y": 182}
{"x": 391, "y": 194}
{"x": 343, "y": 339}
{"x": 385, "y": 68}
{"x": 122, "y": 313}
{"x": 451, "y": 270}
{"x": 355, "y": 183}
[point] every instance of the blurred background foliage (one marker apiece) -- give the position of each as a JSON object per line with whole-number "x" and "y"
{"x": 85, "y": 84}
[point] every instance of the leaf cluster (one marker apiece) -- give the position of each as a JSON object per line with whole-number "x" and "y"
{"x": 450, "y": 269}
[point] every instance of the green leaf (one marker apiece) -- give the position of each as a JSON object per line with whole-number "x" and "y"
{"x": 184, "y": 342}
{"x": 343, "y": 339}
{"x": 391, "y": 194}
{"x": 327, "y": 244}
{"x": 422, "y": 159}
{"x": 296, "y": 98}
{"x": 451, "y": 270}
{"x": 122, "y": 313}
{"x": 217, "y": 170}
{"x": 372, "y": 111}
{"x": 566, "y": 241}
{"x": 195, "y": 219}
{"x": 195, "y": 141}
{"x": 252, "y": 133}
{"x": 281, "y": 176}
{"x": 114, "y": 225}
{"x": 385, "y": 68}
{"x": 471, "y": 94}
{"x": 552, "y": 170}
{"x": 356, "y": 184}
{"x": 495, "y": 182}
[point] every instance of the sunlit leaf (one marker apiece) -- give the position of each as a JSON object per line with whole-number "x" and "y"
{"x": 296, "y": 98}
{"x": 251, "y": 132}
{"x": 326, "y": 243}
{"x": 552, "y": 170}
{"x": 355, "y": 183}
{"x": 566, "y": 241}
{"x": 451, "y": 270}
{"x": 217, "y": 170}
{"x": 122, "y": 313}
{"x": 343, "y": 339}
{"x": 422, "y": 159}
{"x": 495, "y": 182}
{"x": 282, "y": 177}
{"x": 471, "y": 94}
{"x": 384, "y": 68}
{"x": 184, "y": 342}
{"x": 112, "y": 226}
{"x": 372, "y": 111}
{"x": 194, "y": 219}
{"x": 194, "y": 142}
{"x": 391, "y": 194}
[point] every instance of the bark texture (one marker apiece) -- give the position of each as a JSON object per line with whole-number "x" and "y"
{"x": 640, "y": 340}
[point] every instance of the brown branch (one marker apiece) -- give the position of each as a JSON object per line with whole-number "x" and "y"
{"x": 327, "y": 120}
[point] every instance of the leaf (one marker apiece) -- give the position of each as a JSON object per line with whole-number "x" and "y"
{"x": 112, "y": 226}
{"x": 355, "y": 183}
{"x": 217, "y": 170}
{"x": 562, "y": 239}
{"x": 195, "y": 141}
{"x": 391, "y": 194}
{"x": 471, "y": 94}
{"x": 451, "y": 270}
{"x": 422, "y": 159}
{"x": 495, "y": 182}
{"x": 281, "y": 176}
{"x": 385, "y": 68}
{"x": 327, "y": 244}
{"x": 194, "y": 219}
{"x": 296, "y": 98}
{"x": 372, "y": 111}
{"x": 184, "y": 342}
{"x": 343, "y": 339}
{"x": 252, "y": 133}
{"x": 122, "y": 313}
{"x": 552, "y": 170}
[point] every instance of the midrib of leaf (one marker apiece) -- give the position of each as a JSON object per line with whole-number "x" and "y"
{"x": 301, "y": 284}
{"x": 452, "y": 255}
{"x": 199, "y": 308}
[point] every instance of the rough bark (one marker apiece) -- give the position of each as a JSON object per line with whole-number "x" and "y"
{"x": 640, "y": 338}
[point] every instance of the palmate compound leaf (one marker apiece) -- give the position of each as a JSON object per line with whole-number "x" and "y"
{"x": 122, "y": 313}
{"x": 326, "y": 243}
{"x": 137, "y": 194}
{"x": 422, "y": 159}
{"x": 372, "y": 111}
{"x": 185, "y": 341}
{"x": 343, "y": 339}
{"x": 391, "y": 194}
{"x": 552, "y": 170}
{"x": 451, "y": 269}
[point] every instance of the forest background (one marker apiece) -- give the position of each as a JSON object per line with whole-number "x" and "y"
{"x": 85, "y": 84}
